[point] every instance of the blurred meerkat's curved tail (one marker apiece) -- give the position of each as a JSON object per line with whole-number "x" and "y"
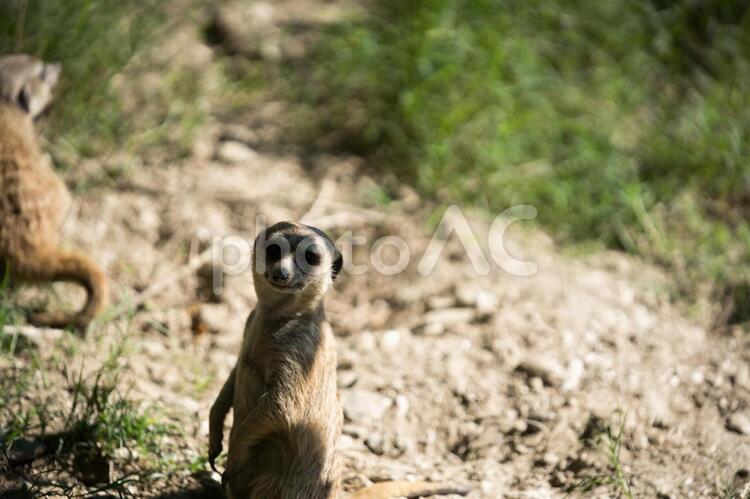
{"x": 73, "y": 267}
{"x": 390, "y": 490}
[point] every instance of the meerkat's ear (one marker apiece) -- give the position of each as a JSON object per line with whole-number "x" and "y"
{"x": 51, "y": 73}
{"x": 338, "y": 263}
{"x": 36, "y": 94}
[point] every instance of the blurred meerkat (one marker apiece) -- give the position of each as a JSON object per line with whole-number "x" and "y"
{"x": 287, "y": 416}
{"x": 34, "y": 201}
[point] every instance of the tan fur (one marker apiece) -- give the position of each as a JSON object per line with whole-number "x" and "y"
{"x": 287, "y": 417}
{"x": 33, "y": 199}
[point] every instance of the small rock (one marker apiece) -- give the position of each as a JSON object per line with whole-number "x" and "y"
{"x": 536, "y": 384}
{"x": 375, "y": 443}
{"x": 403, "y": 445}
{"x": 449, "y": 316}
{"x": 550, "y": 458}
{"x": 739, "y": 423}
{"x": 435, "y": 329}
{"x": 402, "y": 406}
{"x": 742, "y": 377}
{"x": 547, "y": 369}
{"x": 247, "y": 28}
{"x": 346, "y": 378}
{"x": 466, "y": 295}
{"x": 235, "y": 152}
{"x": 697, "y": 377}
{"x": 363, "y": 405}
{"x": 239, "y": 133}
{"x": 204, "y": 145}
{"x": 410, "y": 199}
{"x": 438, "y": 302}
{"x": 390, "y": 340}
{"x": 486, "y": 302}
{"x": 574, "y": 375}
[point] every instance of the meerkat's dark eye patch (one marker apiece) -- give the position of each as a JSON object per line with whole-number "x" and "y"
{"x": 23, "y": 100}
{"x": 312, "y": 257}
{"x": 273, "y": 252}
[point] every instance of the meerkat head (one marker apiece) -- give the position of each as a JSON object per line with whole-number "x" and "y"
{"x": 294, "y": 259}
{"x": 28, "y": 82}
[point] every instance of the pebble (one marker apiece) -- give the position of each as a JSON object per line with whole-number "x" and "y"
{"x": 742, "y": 377}
{"x": 435, "y": 329}
{"x": 363, "y": 405}
{"x": 403, "y": 445}
{"x": 239, "y": 133}
{"x": 375, "y": 443}
{"x": 547, "y": 369}
{"x": 574, "y": 375}
{"x": 390, "y": 340}
{"x": 739, "y": 423}
{"x": 449, "y": 316}
{"x": 402, "y": 406}
{"x": 440, "y": 302}
{"x": 232, "y": 151}
{"x": 466, "y": 295}
{"x": 486, "y": 302}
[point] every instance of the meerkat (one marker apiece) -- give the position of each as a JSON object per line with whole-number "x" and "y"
{"x": 282, "y": 389}
{"x": 34, "y": 200}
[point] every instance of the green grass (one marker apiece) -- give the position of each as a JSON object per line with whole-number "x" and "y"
{"x": 93, "y": 39}
{"x": 615, "y": 478}
{"x": 78, "y": 411}
{"x": 96, "y": 40}
{"x": 624, "y": 122}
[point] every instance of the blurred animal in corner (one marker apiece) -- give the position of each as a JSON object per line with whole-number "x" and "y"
{"x": 34, "y": 200}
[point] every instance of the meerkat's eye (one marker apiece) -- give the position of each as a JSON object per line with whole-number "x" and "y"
{"x": 312, "y": 257}
{"x": 273, "y": 252}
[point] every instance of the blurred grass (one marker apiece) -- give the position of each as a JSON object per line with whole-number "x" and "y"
{"x": 96, "y": 41}
{"x": 623, "y": 121}
{"x": 93, "y": 39}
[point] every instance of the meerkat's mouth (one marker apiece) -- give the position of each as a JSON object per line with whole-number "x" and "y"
{"x": 287, "y": 288}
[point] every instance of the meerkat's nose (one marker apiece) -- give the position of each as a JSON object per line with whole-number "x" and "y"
{"x": 280, "y": 275}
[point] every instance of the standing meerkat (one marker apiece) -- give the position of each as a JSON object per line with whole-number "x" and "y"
{"x": 34, "y": 201}
{"x": 287, "y": 416}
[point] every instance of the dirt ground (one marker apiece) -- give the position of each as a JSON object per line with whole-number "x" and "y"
{"x": 510, "y": 385}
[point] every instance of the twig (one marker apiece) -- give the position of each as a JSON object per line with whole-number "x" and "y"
{"x": 745, "y": 491}
{"x": 35, "y": 334}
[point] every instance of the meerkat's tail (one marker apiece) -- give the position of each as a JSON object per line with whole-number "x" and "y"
{"x": 78, "y": 268}
{"x": 390, "y": 490}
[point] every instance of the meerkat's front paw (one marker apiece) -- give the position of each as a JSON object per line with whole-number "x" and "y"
{"x": 214, "y": 449}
